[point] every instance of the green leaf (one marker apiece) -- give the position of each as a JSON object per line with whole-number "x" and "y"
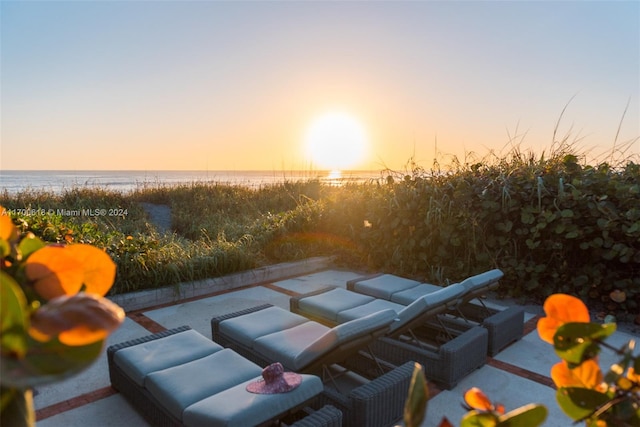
{"x": 531, "y": 415}
{"x": 29, "y": 244}
{"x": 578, "y": 402}
{"x": 566, "y": 213}
{"x": 477, "y": 418}
{"x": 576, "y": 342}
{"x": 5, "y": 248}
{"x": 416, "y": 404}
{"x": 13, "y": 305}
{"x": 17, "y": 408}
{"x": 47, "y": 362}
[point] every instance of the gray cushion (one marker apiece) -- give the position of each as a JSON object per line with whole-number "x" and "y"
{"x": 364, "y": 325}
{"x": 178, "y": 387}
{"x": 449, "y": 295}
{"x": 429, "y": 305}
{"x": 139, "y": 360}
{"x": 343, "y": 334}
{"x": 287, "y": 345}
{"x": 483, "y": 280}
{"x": 369, "y": 308}
{"x": 298, "y": 347}
{"x": 237, "y": 407}
{"x": 245, "y": 329}
{"x": 410, "y": 295}
{"x": 488, "y": 277}
{"x": 328, "y": 304}
{"x": 384, "y": 286}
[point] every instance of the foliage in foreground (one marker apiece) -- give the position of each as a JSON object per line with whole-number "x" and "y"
{"x": 54, "y": 320}
{"x": 583, "y": 393}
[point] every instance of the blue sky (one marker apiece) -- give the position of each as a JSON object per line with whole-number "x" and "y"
{"x": 235, "y": 85}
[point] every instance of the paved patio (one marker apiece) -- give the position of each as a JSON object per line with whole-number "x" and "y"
{"x": 516, "y": 376}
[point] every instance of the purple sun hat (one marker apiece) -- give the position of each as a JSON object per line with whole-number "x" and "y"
{"x": 275, "y": 380}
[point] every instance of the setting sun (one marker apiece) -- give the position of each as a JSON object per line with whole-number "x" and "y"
{"x": 336, "y": 141}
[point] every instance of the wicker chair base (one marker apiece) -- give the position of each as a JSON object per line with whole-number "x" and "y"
{"x": 154, "y": 412}
{"x": 504, "y": 326}
{"x": 377, "y": 403}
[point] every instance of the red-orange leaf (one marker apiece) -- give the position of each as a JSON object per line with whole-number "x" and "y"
{"x": 99, "y": 269}
{"x": 7, "y": 229}
{"x": 62, "y": 270}
{"x": 560, "y": 309}
{"x": 54, "y": 272}
{"x": 476, "y": 399}
{"x": 586, "y": 375}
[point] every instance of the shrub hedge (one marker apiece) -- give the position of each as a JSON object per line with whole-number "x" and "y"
{"x": 551, "y": 225}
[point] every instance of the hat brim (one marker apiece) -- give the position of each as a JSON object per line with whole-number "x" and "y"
{"x": 284, "y": 384}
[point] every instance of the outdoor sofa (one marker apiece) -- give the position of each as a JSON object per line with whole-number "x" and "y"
{"x": 414, "y": 335}
{"x": 181, "y": 378}
{"x": 505, "y": 325}
{"x": 265, "y": 334}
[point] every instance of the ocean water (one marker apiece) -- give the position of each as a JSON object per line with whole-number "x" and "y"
{"x": 14, "y": 181}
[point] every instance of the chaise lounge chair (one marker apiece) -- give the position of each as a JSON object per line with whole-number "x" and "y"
{"x": 266, "y": 334}
{"x": 504, "y": 325}
{"x": 446, "y": 358}
{"x": 181, "y": 378}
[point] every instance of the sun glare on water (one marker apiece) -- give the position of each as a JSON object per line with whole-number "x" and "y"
{"x": 336, "y": 141}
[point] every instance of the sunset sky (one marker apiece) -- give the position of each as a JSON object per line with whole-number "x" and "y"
{"x": 236, "y": 85}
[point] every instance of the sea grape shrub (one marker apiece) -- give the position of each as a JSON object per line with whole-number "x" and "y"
{"x": 54, "y": 319}
{"x": 584, "y": 392}
{"x": 552, "y": 226}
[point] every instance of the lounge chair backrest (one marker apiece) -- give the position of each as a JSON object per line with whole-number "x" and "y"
{"x": 343, "y": 334}
{"x": 481, "y": 282}
{"x": 428, "y": 305}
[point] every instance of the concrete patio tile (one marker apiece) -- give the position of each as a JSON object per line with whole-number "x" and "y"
{"x": 501, "y": 387}
{"x": 535, "y": 355}
{"x": 198, "y": 314}
{"x": 530, "y": 353}
{"x": 92, "y": 378}
{"x": 113, "y": 411}
{"x": 314, "y": 281}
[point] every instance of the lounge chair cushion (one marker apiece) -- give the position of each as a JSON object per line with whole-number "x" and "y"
{"x": 298, "y": 347}
{"x": 328, "y": 304}
{"x": 139, "y": 360}
{"x": 180, "y": 386}
{"x": 291, "y": 346}
{"x": 247, "y": 328}
{"x": 367, "y": 309}
{"x": 237, "y": 407}
{"x": 384, "y": 286}
{"x": 428, "y": 305}
{"x": 408, "y": 296}
{"x": 486, "y": 278}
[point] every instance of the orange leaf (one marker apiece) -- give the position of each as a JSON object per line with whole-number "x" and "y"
{"x": 476, "y": 399}
{"x": 54, "y": 272}
{"x": 7, "y": 229}
{"x": 77, "y": 320}
{"x": 586, "y": 375}
{"x": 444, "y": 422}
{"x": 560, "y": 309}
{"x": 99, "y": 269}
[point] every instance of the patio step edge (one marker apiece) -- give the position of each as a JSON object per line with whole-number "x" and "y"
{"x": 175, "y": 293}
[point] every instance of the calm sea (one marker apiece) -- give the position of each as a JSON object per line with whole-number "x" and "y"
{"x": 126, "y": 181}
